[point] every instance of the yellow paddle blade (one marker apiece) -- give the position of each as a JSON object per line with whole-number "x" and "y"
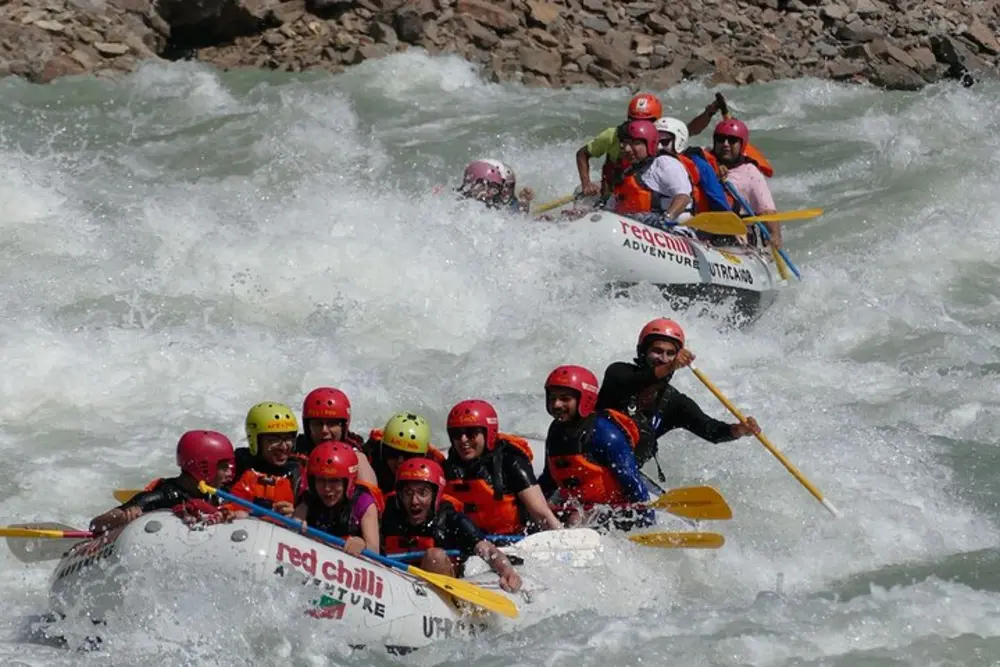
{"x": 468, "y": 592}
{"x": 125, "y": 495}
{"x": 679, "y": 540}
{"x": 555, "y": 203}
{"x": 35, "y": 533}
{"x": 780, "y": 263}
{"x": 724, "y": 223}
{"x": 785, "y": 216}
{"x": 695, "y": 502}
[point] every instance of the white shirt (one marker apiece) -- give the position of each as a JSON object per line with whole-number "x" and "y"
{"x": 667, "y": 177}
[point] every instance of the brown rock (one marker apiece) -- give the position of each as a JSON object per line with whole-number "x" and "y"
{"x": 663, "y": 78}
{"x": 856, "y": 33}
{"x": 696, "y": 67}
{"x": 289, "y": 12}
{"x": 384, "y": 34}
{"x": 643, "y": 45}
{"x": 274, "y": 38}
{"x": 544, "y": 37}
{"x": 88, "y": 58}
{"x": 540, "y": 61}
{"x": 595, "y": 23}
{"x": 659, "y": 24}
{"x": 866, "y": 8}
{"x": 111, "y": 48}
{"x": 979, "y": 34}
{"x": 900, "y": 56}
{"x": 480, "y": 36}
{"x": 50, "y": 26}
{"x": 87, "y": 35}
{"x": 541, "y": 13}
{"x": 374, "y": 51}
{"x": 924, "y": 58}
{"x": 638, "y": 10}
{"x": 593, "y": 5}
{"x": 895, "y": 77}
{"x": 834, "y": 11}
{"x": 490, "y": 14}
{"x": 609, "y": 56}
{"x": 603, "y": 75}
{"x": 61, "y": 65}
{"x": 844, "y": 69}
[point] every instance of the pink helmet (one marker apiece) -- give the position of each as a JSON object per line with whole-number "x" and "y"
{"x": 659, "y": 328}
{"x": 580, "y": 380}
{"x": 200, "y": 453}
{"x": 478, "y": 178}
{"x": 475, "y": 413}
{"x": 645, "y": 130}
{"x": 732, "y": 127}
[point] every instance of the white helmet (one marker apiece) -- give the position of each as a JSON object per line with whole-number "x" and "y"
{"x": 509, "y": 179}
{"x": 678, "y": 128}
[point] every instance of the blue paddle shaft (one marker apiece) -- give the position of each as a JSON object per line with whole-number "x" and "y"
{"x": 292, "y": 524}
{"x": 762, "y": 228}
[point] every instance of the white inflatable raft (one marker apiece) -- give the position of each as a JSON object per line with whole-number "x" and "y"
{"x": 365, "y": 603}
{"x": 687, "y": 270}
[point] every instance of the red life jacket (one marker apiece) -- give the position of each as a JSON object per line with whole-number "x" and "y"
{"x": 493, "y": 512}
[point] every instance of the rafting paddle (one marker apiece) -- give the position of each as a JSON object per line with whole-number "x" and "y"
{"x": 694, "y": 502}
{"x": 767, "y": 443}
{"x": 456, "y": 587}
{"x": 786, "y": 216}
{"x": 555, "y": 203}
{"x": 723, "y": 223}
{"x": 679, "y": 540}
{"x": 40, "y": 541}
{"x": 125, "y": 495}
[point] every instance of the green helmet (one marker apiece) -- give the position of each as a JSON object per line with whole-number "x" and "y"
{"x": 407, "y": 432}
{"x": 269, "y": 418}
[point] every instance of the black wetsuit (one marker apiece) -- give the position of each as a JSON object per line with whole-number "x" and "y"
{"x": 449, "y": 529}
{"x": 504, "y": 468}
{"x": 667, "y": 408}
{"x": 167, "y": 494}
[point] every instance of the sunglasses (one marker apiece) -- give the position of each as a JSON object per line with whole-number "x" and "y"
{"x": 469, "y": 432}
{"x": 725, "y": 139}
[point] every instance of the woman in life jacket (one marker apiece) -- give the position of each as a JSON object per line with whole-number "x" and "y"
{"x": 326, "y": 417}
{"x": 491, "y": 473}
{"x": 202, "y": 456}
{"x": 745, "y": 168}
{"x": 267, "y": 473}
{"x": 590, "y": 455}
{"x": 641, "y": 389}
{"x": 334, "y": 503}
{"x": 419, "y": 518}
{"x": 406, "y": 435}
{"x": 655, "y": 189}
{"x": 495, "y": 184}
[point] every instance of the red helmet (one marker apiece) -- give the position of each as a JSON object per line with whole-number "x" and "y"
{"x": 659, "y": 328}
{"x": 334, "y": 460}
{"x": 199, "y": 454}
{"x": 327, "y": 403}
{"x": 580, "y": 380}
{"x": 422, "y": 470}
{"x": 476, "y": 412}
{"x": 733, "y": 128}
{"x": 645, "y": 106}
{"x": 645, "y": 130}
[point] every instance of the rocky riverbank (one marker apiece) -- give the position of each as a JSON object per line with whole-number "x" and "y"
{"x": 898, "y": 44}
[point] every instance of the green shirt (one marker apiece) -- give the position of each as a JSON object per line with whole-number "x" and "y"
{"x": 605, "y": 143}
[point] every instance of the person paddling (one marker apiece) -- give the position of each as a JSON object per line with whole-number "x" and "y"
{"x": 641, "y": 389}
{"x": 267, "y": 472}
{"x": 326, "y": 417}
{"x": 202, "y": 456}
{"x": 590, "y": 454}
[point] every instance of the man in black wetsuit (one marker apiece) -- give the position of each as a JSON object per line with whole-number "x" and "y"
{"x": 420, "y": 517}
{"x": 202, "y": 456}
{"x": 642, "y": 390}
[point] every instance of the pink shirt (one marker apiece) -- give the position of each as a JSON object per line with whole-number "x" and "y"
{"x": 752, "y": 186}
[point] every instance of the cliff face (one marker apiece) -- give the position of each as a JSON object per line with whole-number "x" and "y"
{"x": 899, "y": 44}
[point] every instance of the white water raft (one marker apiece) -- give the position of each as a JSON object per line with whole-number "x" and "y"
{"x": 367, "y": 603}
{"x": 686, "y": 269}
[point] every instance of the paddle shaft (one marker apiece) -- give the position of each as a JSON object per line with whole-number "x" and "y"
{"x": 764, "y": 441}
{"x": 35, "y": 533}
{"x": 311, "y": 532}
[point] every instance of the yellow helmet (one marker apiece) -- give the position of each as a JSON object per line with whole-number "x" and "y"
{"x": 407, "y": 432}
{"x": 269, "y": 418}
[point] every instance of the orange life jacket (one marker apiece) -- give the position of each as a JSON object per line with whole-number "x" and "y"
{"x": 752, "y": 154}
{"x": 376, "y": 494}
{"x": 632, "y": 195}
{"x": 264, "y": 490}
{"x": 581, "y": 479}
{"x": 493, "y": 512}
